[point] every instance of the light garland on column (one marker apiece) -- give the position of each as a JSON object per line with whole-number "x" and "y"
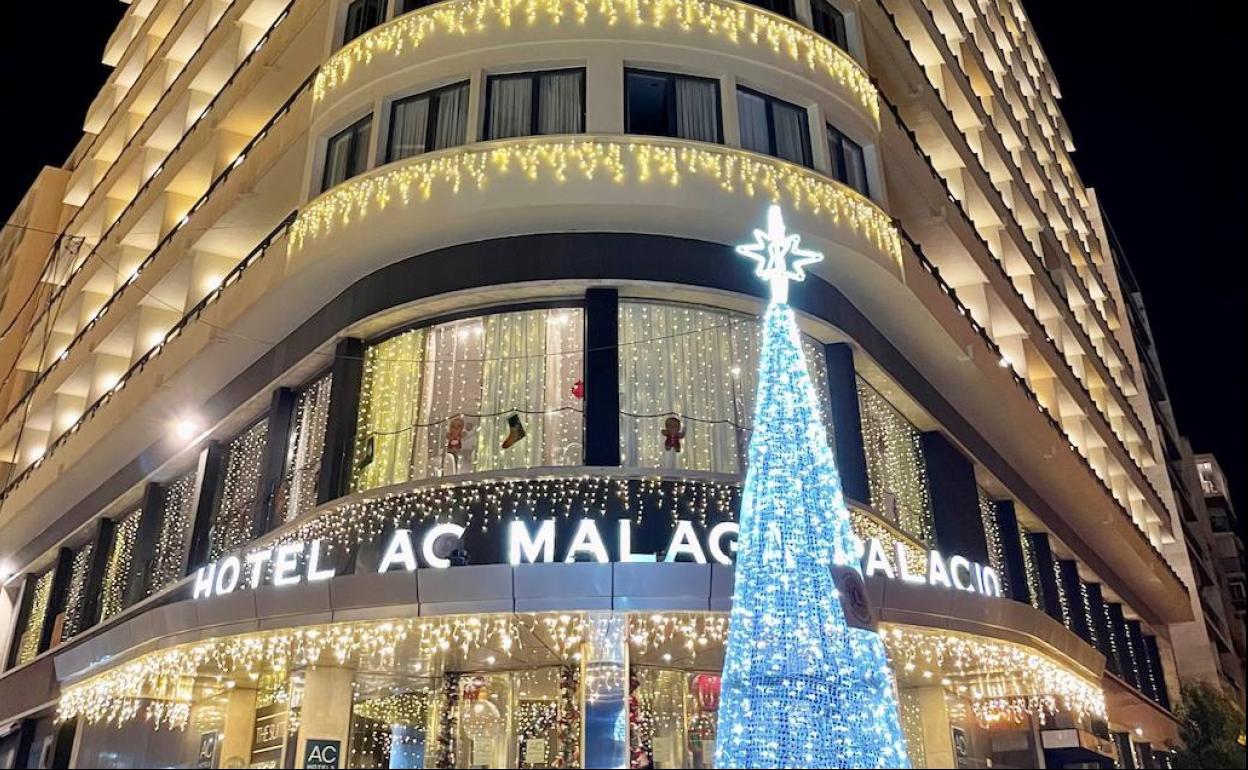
{"x": 1035, "y": 588}
{"x": 636, "y": 160}
{"x": 738, "y": 23}
{"x": 992, "y": 537}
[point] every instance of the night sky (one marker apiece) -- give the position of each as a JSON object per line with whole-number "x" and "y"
{"x": 1149, "y": 97}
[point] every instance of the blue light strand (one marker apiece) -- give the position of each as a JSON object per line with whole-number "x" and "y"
{"x": 800, "y": 687}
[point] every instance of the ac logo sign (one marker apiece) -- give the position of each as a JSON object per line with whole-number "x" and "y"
{"x": 321, "y": 754}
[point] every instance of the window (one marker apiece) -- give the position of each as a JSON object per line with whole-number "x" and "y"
{"x": 306, "y": 447}
{"x": 347, "y": 153}
{"x": 896, "y": 470}
{"x": 233, "y": 519}
{"x": 659, "y": 104}
{"x": 773, "y": 127}
{"x": 698, "y": 366}
{"x": 781, "y": 7}
{"x": 848, "y": 164}
{"x": 430, "y": 121}
{"x": 176, "y": 514}
{"x": 532, "y": 103}
{"x": 493, "y": 392}
{"x": 406, "y": 6}
{"x": 362, "y": 15}
{"x": 829, "y": 22}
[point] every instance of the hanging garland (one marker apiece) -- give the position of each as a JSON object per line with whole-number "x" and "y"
{"x": 569, "y": 751}
{"x": 445, "y": 746}
{"x": 640, "y": 747}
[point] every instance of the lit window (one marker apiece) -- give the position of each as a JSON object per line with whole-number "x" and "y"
{"x": 533, "y": 103}
{"x": 829, "y": 22}
{"x": 687, "y": 383}
{"x": 362, "y": 15}
{"x": 430, "y": 121}
{"x": 493, "y": 392}
{"x": 848, "y": 164}
{"x": 773, "y": 127}
{"x": 660, "y": 104}
{"x": 346, "y": 154}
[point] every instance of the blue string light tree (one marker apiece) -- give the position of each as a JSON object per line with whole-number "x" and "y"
{"x": 801, "y": 687}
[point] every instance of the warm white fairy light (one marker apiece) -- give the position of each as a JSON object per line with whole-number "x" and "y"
{"x": 620, "y": 160}
{"x": 741, "y": 24}
{"x": 999, "y": 678}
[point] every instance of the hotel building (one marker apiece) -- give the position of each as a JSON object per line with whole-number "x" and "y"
{"x": 378, "y": 376}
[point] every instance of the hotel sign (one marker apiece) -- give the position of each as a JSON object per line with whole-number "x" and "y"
{"x": 566, "y": 540}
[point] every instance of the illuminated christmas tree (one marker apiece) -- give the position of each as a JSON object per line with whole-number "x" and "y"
{"x": 801, "y": 688}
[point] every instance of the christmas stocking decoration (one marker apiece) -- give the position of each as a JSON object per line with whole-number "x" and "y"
{"x": 515, "y": 430}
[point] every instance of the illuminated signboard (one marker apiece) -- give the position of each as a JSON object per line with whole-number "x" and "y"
{"x": 566, "y": 540}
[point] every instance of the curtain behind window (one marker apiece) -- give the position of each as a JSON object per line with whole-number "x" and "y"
{"x": 752, "y": 112}
{"x": 559, "y": 103}
{"x": 511, "y": 107}
{"x": 697, "y": 116}
{"x": 701, "y": 365}
{"x": 451, "y": 127}
{"x": 337, "y": 159}
{"x": 792, "y": 139}
{"x": 484, "y": 369}
{"x": 855, "y": 167}
{"x": 408, "y": 121}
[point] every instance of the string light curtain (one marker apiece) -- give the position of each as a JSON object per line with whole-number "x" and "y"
{"x": 240, "y": 491}
{"x": 76, "y": 595}
{"x": 490, "y": 371}
{"x": 896, "y": 471}
{"x": 305, "y": 449}
{"x": 801, "y": 688}
{"x": 28, "y": 640}
{"x": 699, "y": 365}
{"x": 168, "y": 561}
{"x": 117, "y": 568}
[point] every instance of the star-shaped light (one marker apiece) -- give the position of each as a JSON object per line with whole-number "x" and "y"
{"x": 772, "y": 249}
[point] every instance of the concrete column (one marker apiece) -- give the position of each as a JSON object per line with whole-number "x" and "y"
{"x": 236, "y": 735}
{"x": 344, "y": 406}
{"x": 326, "y": 711}
{"x": 846, "y": 438}
{"x": 955, "y": 499}
{"x": 937, "y": 737}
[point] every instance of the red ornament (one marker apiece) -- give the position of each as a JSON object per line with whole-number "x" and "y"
{"x": 578, "y": 389}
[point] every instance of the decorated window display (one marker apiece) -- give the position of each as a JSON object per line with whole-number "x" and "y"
{"x": 687, "y": 382}
{"x": 488, "y": 393}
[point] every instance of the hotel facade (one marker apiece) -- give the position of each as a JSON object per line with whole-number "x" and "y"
{"x": 378, "y": 376}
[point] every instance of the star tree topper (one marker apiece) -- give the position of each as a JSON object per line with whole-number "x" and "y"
{"x": 779, "y": 255}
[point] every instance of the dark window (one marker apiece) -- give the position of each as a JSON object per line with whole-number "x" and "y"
{"x": 773, "y": 127}
{"x": 551, "y": 102}
{"x": 411, "y": 5}
{"x": 430, "y": 121}
{"x": 362, "y": 15}
{"x": 829, "y": 22}
{"x": 659, "y": 104}
{"x": 782, "y": 7}
{"x": 848, "y": 164}
{"x": 347, "y": 153}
